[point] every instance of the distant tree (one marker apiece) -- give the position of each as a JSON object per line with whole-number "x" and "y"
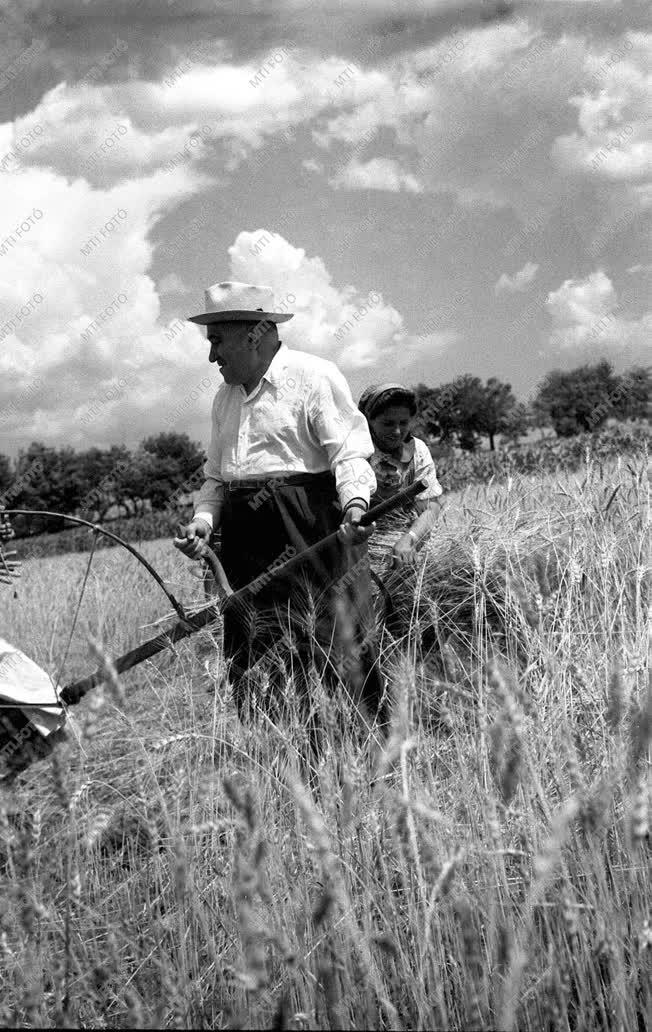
{"x": 164, "y": 463}
{"x": 498, "y": 412}
{"x": 433, "y": 411}
{"x": 636, "y": 394}
{"x": 38, "y": 481}
{"x": 6, "y": 475}
{"x": 450, "y": 411}
{"x": 517, "y": 422}
{"x": 578, "y": 400}
{"x": 175, "y": 447}
{"x": 97, "y": 464}
{"x": 142, "y": 473}
{"x": 43, "y": 479}
{"x": 466, "y": 409}
{"x": 103, "y": 474}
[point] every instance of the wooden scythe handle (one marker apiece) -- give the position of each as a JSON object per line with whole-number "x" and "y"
{"x": 73, "y": 692}
{"x": 224, "y": 589}
{"x": 400, "y": 498}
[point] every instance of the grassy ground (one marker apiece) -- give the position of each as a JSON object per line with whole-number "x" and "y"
{"x": 487, "y": 867}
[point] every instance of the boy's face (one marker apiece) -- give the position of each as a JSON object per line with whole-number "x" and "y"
{"x": 390, "y": 427}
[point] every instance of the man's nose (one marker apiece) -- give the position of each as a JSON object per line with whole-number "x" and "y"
{"x": 212, "y": 355}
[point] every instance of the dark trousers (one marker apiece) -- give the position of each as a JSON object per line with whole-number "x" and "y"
{"x": 315, "y": 623}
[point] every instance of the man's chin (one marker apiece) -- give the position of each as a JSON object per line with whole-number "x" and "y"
{"x": 228, "y": 377}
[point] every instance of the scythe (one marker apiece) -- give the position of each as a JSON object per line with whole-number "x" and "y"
{"x": 31, "y": 745}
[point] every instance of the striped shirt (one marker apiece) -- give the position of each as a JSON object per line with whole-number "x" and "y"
{"x": 392, "y": 475}
{"x": 415, "y": 463}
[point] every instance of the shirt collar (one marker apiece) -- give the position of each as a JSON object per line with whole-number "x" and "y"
{"x": 272, "y": 375}
{"x": 274, "y": 372}
{"x": 408, "y": 450}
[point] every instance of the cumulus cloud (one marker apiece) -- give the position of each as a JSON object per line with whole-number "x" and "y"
{"x": 69, "y": 31}
{"x": 311, "y": 165}
{"x": 581, "y": 301}
{"x": 96, "y": 329}
{"x": 376, "y": 174}
{"x": 474, "y": 109}
{"x": 343, "y": 323}
{"x": 102, "y": 166}
{"x": 588, "y": 313}
{"x": 475, "y": 113}
{"x": 614, "y": 139}
{"x": 88, "y": 132}
{"x": 521, "y": 280}
{"x": 172, "y": 284}
{"x": 484, "y": 114}
{"x": 85, "y": 253}
{"x": 108, "y": 132}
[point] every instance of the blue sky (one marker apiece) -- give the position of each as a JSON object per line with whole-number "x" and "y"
{"x": 444, "y": 188}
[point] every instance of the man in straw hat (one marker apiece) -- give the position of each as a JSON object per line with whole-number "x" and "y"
{"x": 287, "y": 465}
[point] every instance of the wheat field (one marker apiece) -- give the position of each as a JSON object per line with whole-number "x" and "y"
{"x": 487, "y": 866}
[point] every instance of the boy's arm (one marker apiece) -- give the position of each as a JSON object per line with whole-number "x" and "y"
{"x": 425, "y": 521}
{"x": 428, "y": 505}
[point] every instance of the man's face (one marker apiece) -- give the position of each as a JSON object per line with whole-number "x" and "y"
{"x": 233, "y": 347}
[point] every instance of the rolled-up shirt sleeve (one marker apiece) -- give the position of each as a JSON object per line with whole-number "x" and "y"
{"x": 424, "y": 469}
{"x": 342, "y": 430}
{"x": 211, "y": 495}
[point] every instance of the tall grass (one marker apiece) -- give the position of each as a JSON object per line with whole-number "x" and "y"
{"x": 486, "y": 866}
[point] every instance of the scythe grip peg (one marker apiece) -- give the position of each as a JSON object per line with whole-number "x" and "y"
{"x": 223, "y": 587}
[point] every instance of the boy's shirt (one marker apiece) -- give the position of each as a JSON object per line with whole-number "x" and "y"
{"x": 415, "y": 463}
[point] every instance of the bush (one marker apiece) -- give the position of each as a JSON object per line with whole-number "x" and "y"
{"x": 134, "y": 529}
{"x": 550, "y": 455}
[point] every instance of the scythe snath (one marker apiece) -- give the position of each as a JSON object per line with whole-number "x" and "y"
{"x": 15, "y": 725}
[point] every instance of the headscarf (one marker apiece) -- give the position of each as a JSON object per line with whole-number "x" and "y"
{"x": 377, "y": 397}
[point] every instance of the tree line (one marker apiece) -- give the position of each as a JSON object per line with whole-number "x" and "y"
{"x": 161, "y": 470}
{"x": 580, "y": 400}
{"x": 167, "y": 467}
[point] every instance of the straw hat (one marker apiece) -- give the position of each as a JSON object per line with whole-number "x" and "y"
{"x": 235, "y": 302}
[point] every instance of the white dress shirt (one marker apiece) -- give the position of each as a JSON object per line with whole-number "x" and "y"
{"x": 300, "y": 418}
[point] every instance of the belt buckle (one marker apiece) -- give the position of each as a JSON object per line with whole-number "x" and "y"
{"x": 245, "y": 484}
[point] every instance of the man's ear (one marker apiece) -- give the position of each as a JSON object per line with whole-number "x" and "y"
{"x": 253, "y": 341}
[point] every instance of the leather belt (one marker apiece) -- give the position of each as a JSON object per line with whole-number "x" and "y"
{"x": 248, "y": 484}
{"x": 273, "y": 480}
